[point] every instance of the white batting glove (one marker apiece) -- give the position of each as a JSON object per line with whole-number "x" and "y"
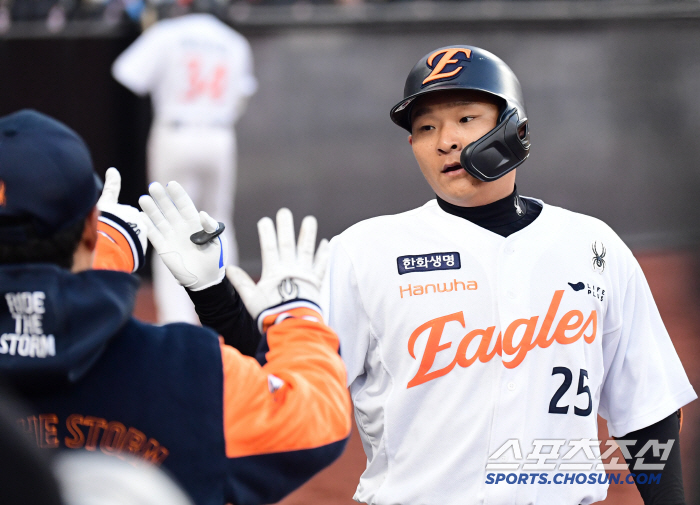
{"x": 172, "y": 219}
{"x": 289, "y": 271}
{"x": 109, "y": 207}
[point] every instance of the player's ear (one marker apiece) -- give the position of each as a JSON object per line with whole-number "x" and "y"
{"x": 89, "y": 238}
{"x": 410, "y": 139}
{"x": 83, "y": 256}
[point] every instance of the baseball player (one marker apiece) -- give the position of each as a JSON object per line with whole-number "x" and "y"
{"x": 485, "y": 331}
{"x": 227, "y": 428}
{"x": 199, "y": 73}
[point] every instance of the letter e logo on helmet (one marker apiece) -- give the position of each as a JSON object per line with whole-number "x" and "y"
{"x": 450, "y": 56}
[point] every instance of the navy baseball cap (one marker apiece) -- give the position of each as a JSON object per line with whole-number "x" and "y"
{"x": 47, "y": 181}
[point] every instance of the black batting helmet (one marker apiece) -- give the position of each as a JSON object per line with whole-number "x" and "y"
{"x": 471, "y": 68}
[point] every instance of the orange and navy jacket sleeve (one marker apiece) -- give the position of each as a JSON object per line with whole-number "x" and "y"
{"x": 288, "y": 419}
{"x": 118, "y": 247}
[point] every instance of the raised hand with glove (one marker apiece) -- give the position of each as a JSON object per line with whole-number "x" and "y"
{"x": 291, "y": 275}
{"x": 122, "y": 241}
{"x": 200, "y": 266}
{"x": 189, "y": 243}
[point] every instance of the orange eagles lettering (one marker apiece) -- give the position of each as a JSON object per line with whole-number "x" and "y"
{"x": 572, "y": 320}
{"x": 432, "y": 348}
{"x": 444, "y": 61}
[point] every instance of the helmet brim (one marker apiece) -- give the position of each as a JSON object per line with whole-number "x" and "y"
{"x": 401, "y": 112}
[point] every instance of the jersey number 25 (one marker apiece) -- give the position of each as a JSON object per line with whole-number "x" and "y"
{"x": 554, "y": 408}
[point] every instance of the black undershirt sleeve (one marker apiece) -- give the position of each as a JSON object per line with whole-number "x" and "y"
{"x": 670, "y": 489}
{"x": 220, "y": 308}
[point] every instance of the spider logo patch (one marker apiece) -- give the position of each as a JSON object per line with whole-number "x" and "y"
{"x": 598, "y": 260}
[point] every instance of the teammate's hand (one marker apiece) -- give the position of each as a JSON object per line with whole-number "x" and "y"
{"x": 172, "y": 219}
{"x": 289, "y": 271}
{"x": 130, "y": 215}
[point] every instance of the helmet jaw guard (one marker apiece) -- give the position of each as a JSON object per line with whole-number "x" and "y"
{"x": 499, "y": 151}
{"x": 471, "y": 68}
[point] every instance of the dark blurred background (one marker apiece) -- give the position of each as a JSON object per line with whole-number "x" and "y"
{"x": 612, "y": 91}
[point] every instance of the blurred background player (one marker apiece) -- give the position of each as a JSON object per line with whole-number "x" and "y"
{"x": 199, "y": 73}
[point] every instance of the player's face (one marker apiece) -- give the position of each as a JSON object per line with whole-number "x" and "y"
{"x": 442, "y": 125}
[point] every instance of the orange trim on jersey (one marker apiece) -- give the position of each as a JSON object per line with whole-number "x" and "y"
{"x": 297, "y": 401}
{"x": 304, "y": 312}
{"x": 113, "y": 251}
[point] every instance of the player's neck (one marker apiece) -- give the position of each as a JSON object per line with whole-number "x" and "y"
{"x": 504, "y": 216}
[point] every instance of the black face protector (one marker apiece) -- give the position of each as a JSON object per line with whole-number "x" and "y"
{"x": 500, "y": 150}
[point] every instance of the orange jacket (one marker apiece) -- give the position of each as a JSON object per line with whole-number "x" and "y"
{"x": 295, "y": 402}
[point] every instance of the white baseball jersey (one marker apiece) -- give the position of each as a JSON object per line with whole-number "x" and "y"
{"x": 197, "y": 69}
{"x": 458, "y": 340}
